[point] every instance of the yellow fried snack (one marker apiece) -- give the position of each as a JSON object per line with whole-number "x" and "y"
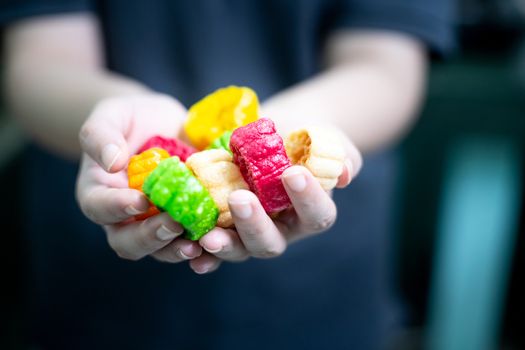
{"x": 216, "y": 171}
{"x": 224, "y": 110}
{"x": 320, "y": 150}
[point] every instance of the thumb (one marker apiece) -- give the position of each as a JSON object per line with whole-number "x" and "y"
{"x": 102, "y": 137}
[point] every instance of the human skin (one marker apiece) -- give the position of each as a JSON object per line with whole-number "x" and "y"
{"x": 369, "y": 90}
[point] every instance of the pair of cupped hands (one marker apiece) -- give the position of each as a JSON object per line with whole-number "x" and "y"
{"x": 116, "y": 129}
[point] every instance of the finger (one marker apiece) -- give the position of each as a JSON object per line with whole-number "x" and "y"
{"x": 108, "y": 206}
{"x": 135, "y": 240}
{"x": 205, "y": 263}
{"x": 102, "y": 136}
{"x": 178, "y": 250}
{"x": 257, "y": 231}
{"x": 224, "y": 244}
{"x": 314, "y": 208}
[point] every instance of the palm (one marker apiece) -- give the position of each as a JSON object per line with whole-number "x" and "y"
{"x": 145, "y": 123}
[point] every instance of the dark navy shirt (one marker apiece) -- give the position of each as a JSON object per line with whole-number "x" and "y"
{"x": 330, "y": 291}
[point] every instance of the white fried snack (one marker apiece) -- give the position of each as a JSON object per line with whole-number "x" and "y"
{"x": 216, "y": 171}
{"x": 320, "y": 150}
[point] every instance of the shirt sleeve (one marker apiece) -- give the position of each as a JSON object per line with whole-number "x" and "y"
{"x": 14, "y": 10}
{"x": 431, "y": 21}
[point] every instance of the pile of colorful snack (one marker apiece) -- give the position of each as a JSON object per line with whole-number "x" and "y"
{"x": 234, "y": 149}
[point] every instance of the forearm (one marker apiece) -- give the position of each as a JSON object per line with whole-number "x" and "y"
{"x": 52, "y": 104}
{"x": 371, "y": 91}
{"x": 52, "y": 95}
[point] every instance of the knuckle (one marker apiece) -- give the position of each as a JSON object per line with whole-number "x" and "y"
{"x": 85, "y": 202}
{"x": 271, "y": 251}
{"x": 89, "y": 214}
{"x": 146, "y": 238}
{"x": 85, "y": 133}
{"x": 119, "y": 250}
{"x": 324, "y": 223}
{"x": 159, "y": 258}
{"x": 233, "y": 254}
{"x": 164, "y": 258}
{"x": 241, "y": 258}
{"x": 78, "y": 196}
{"x": 166, "y": 100}
{"x": 126, "y": 255}
{"x": 90, "y": 205}
{"x": 145, "y": 241}
{"x": 308, "y": 206}
{"x": 117, "y": 209}
{"x": 172, "y": 258}
{"x": 108, "y": 103}
{"x": 214, "y": 267}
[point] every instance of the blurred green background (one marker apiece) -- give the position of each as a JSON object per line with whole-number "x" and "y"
{"x": 475, "y": 98}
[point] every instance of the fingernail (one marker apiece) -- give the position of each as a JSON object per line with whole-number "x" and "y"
{"x": 184, "y": 256}
{"x": 110, "y": 154}
{"x": 212, "y": 244}
{"x": 350, "y": 172}
{"x": 242, "y": 210}
{"x": 131, "y": 210}
{"x": 296, "y": 181}
{"x": 202, "y": 271}
{"x": 213, "y": 250}
{"x": 165, "y": 234}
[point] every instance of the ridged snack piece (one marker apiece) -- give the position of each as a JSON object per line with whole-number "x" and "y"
{"x": 173, "y": 188}
{"x": 173, "y": 146}
{"x": 223, "y": 110}
{"x": 139, "y": 167}
{"x": 320, "y": 150}
{"x": 215, "y": 169}
{"x": 222, "y": 142}
{"x": 259, "y": 152}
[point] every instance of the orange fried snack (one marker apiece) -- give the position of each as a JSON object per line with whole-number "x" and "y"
{"x": 139, "y": 167}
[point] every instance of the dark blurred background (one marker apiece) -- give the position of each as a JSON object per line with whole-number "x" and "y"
{"x": 475, "y": 107}
{"x": 472, "y": 126}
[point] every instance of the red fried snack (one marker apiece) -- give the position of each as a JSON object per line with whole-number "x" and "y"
{"x": 259, "y": 152}
{"x": 173, "y": 146}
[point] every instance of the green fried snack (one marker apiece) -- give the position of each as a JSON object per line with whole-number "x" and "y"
{"x": 173, "y": 188}
{"x": 222, "y": 142}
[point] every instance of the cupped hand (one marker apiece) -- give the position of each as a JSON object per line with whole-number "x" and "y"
{"x": 113, "y": 132}
{"x": 118, "y": 127}
{"x": 258, "y": 235}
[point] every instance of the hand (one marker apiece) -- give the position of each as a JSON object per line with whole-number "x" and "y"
{"x": 115, "y": 130}
{"x": 257, "y": 235}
